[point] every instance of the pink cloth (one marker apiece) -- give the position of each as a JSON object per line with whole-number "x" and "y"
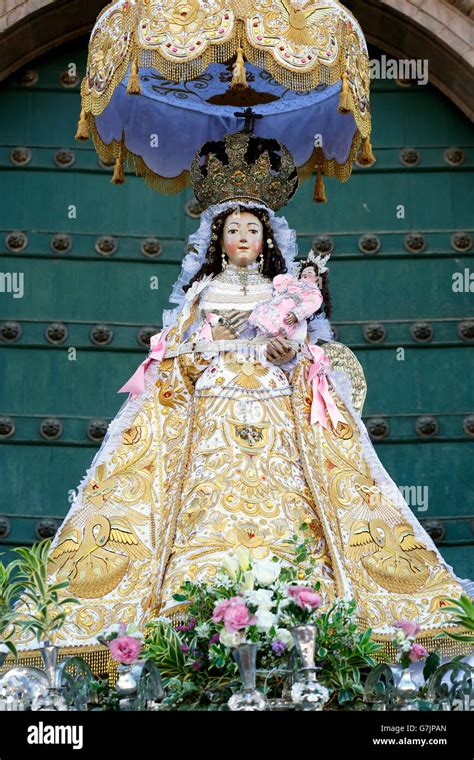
{"x": 135, "y": 385}
{"x": 322, "y": 399}
{"x": 290, "y": 295}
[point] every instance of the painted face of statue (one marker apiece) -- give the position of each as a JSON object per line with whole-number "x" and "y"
{"x": 309, "y": 274}
{"x": 242, "y": 238}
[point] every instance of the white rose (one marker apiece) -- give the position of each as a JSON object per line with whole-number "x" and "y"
{"x": 243, "y": 556}
{"x": 265, "y": 619}
{"x": 232, "y": 566}
{"x": 266, "y": 571}
{"x": 229, "y": 638}
{"x": 282, "y": 634}
{"x": 262, "y": 598}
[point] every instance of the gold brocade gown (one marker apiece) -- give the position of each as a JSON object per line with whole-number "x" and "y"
{"x": 219, "y": 452}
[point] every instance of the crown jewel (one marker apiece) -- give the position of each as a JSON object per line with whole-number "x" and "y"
{"x": 244, "y": 167}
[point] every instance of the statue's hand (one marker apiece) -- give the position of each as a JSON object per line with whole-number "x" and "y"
{"x": 279, "y": 351}
{"x": 229, "y": 331}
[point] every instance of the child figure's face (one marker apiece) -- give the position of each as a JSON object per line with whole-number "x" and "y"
{"x": 309, "y": 274}
{"x": 242, "y": 238}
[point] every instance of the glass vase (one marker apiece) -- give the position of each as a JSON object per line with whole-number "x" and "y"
{"x": 406, "y": 691}
{"x": 307, "y": 693}
{"x": 249, "y": 699}
{"x": 53, "y": 699}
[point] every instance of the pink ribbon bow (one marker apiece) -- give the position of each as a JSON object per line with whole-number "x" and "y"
{"x": 135, "y": 385}
{"x": 322, "y": 399}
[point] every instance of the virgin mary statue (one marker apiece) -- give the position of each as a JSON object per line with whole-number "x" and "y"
{"x": 231, "y": 438}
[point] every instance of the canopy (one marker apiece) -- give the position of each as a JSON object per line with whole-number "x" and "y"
{"x": 196, "y": 67}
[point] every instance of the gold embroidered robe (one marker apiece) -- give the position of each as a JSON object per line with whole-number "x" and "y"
{"x": 185, "y": 475}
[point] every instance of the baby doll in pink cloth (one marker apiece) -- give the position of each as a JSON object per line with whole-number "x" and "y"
{"x": 292, "y": 303}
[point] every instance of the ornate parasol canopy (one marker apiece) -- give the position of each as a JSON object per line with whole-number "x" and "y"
{"x": 200, "y": 69}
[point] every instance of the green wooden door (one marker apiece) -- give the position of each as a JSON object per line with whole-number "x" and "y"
{"x": 88, "y": 254}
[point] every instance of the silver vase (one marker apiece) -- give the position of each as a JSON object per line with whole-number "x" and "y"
{"x": 406, "y": 691}
{"x": 307, "y": 693}
{"x": 53, "y": 700}
{"x": 126, "y": 686}
{"x": 49, "y": 655}
{"x": 249, "y": 699}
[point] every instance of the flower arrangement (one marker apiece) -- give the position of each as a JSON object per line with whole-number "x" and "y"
{"x": 410, "y": 650}
{"x": 258, "y": 601}
{"x": 124, "y": 642}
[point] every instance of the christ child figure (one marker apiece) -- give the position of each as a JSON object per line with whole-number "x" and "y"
{"x": 293, "y": 301}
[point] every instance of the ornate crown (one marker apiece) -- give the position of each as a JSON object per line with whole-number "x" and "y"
{"x": 244, "y": 167}
{"x": 318, "y": 261}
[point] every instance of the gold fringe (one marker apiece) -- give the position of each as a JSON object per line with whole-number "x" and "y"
{"x": 366, "y": 157}
{"x": 82, "y": 132}
{"x": 344, "y": 98}
{"x": 118, "y": 177}
{"x": 319, "y": 195}
{"x": 97, "y": 657}
{"x": 216, "y": 52}
{"x": 133, "y": 86}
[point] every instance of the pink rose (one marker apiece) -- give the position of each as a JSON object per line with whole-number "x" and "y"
{"x": 221, "y": 607}
{"x": 125, "y": 649}
{"x": 417, "y": 652}
{"x": 238, "y": 616}
{"x": 409, "y": 627}
{"x": 304, "y": 597}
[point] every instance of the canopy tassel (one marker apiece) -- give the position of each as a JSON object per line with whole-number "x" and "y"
{"x": 319, "y": 195}
{"x": 239, "y": 74}
{"x": 344, "y": 96}
{"x": 366, "y": 157}
{"x": 118, "y": 177}
{"x": 133, "y": 86}
{"x": 82, "y": 132}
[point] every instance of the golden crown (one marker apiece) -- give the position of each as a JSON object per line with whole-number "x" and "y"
{"x": 244, "y": 167}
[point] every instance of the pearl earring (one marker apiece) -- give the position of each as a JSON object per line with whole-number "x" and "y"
{"x": 224, "y": 261}
{"x": 260, "y": 263}
{"x": 270, "y": 243}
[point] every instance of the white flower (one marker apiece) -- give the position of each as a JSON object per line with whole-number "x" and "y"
{"x": 162, "y": 619}
{"x": 243, "y": 556}
{"x": 282, "y": 634}
{"x": 223, "y": 580}
{"x": 231, "y": 566}
{"x": 230, "y": 638}
{"x": 248, "y": 582}
{"x": 203, "y": 630}
{"x": 266, "y": 571}
{"x": 265, "y": 619}
{"x": 262, "y": 598}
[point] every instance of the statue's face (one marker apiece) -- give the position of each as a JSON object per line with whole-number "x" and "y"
{"x": 242, "y": 238}
{"x": 309, "y": 274}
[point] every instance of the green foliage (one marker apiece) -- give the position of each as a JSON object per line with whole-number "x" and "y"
{"x": 9, "y": 591}
{"x": 163, "y": 646}
{"x": 42, "y": 611}
{"x": 463, "y": 609}
{"x": 347, "y": 654}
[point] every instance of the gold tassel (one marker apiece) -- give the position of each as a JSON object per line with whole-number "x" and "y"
{"x": 319, "y": 195}
{"x": 82, "y": 132}
{"x": 118, "y": 177}
{"x": 344, "y": 97}
{"x": 133, "y": 86}
{"x": 239, "y": 75}
{"x": 366, "y": 157}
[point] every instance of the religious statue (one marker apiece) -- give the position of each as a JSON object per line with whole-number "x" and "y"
{"x": 232, "y": 436}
